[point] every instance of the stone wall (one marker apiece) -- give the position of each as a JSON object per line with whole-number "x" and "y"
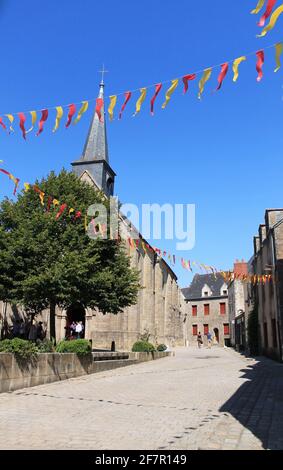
{"x": 51, "y": 367}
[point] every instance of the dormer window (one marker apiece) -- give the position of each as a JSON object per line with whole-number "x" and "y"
{"x": 225, "y": 292}
{"x": 205, "y": 294}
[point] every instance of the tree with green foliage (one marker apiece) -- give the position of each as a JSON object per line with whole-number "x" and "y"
{"x": 47, "y": 262}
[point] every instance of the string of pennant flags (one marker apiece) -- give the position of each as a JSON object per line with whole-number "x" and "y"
{"x": 75, "y": 111}
{"x": 50, "y": 203}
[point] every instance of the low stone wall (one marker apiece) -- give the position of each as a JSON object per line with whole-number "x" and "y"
{"x": 16, "y": 373}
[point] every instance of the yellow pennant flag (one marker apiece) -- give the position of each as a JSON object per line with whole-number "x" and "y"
{"x": 33, "y": 121}
{"x": 55, "y": 202}
{"x": 26, "y": 186}
{"x": 71, "y": 210}
{"x": 203, "y": 80}
{"x": 58, "y": 118}
{"x": 113, "y": 101}
{"x": 11, "y": 119}
{"x": 41, "y": 197}
{"x": 236, "y": 64}
{"x": 278, "y": 52}
{"x": 273, "y": 19}
{"x": 82, "y": 110}
{"x": 169, "y": 92}
{"x": 140, "y": 100}
{"x": 258, "y": 7}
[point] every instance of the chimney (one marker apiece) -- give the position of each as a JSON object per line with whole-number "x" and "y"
{"x": 240, "y": 267}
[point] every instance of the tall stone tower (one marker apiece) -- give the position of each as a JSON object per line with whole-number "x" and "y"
{"x": 93, "y": 166}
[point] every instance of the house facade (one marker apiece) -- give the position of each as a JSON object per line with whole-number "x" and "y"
{"x": 207, "y": 309}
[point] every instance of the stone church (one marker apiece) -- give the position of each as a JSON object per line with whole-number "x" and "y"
{"x": 160, "y": 309}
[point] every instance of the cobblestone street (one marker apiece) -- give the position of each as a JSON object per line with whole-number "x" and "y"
{"x": 198, "y": 399}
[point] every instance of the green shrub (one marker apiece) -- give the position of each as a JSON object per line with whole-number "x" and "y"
{"x": 161, "y": 347}
{"x": 82, "y": 347}
{"x": 143, "y": 346}
{"x": 21, "y": 347}
{"x": 45, "y": 346}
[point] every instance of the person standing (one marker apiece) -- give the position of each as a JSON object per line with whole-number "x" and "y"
{"x": 209, "y": 339}
{"x": 199, "y": 340}
{"x": 79, "y": 329}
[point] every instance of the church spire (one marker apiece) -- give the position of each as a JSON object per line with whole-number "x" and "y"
{"x": 96, "y": 147}
{"x": 95, "y": 160}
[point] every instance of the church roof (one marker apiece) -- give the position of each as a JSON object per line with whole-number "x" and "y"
{"x": 213, "y": 281}
{"x": 96, "y": 147}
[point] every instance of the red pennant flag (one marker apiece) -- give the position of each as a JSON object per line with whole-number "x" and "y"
{"x": 259, "y": 64}
{"x": 12, "y": 177}
{"x": 158, "y": 87}
{"x": 267, "y": 13}
{"x": 44, "y": 116}
{"x": 72, "y": 110}
{"x": 98, "y": 107}
{"x": 186, "y": 78}
{"x": 22, "y": 124}
{"x": 49, "y": 201}
{"x": 78, "y": 215}
{"x": 222, "y": 75}
{"x": 128, "y": 95}
{"x": 61, "y": 210}
{"x": 2, "y": 123}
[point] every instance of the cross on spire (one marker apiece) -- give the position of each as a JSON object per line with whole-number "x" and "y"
{"x": 103, "y": 71}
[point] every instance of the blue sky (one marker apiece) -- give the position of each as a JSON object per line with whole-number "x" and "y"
{"x": 223, "y": 153}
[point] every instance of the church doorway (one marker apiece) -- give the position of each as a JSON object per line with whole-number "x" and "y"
{"x": 75, "y": 315}
{"x": 216, "y": 335}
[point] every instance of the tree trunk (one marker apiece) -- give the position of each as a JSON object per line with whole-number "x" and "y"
{"x": 52, "y": 321}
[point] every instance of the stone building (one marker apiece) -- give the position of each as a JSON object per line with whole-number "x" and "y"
{"x": 160, "y": 306}
{"x": 237, "y": 293}
{"x": 268, "y": 296}
{"x": 207, "y": 308}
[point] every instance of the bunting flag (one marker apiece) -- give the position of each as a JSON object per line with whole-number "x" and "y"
{"x": 278, "y": 52}
{"x": 267, "y": 13}
{"x": 127, "y": 95}
{"x": 98, "y": 107}
{"x": 2, "y": 124}
{"x": 203, "y": 80}
{"x": 158, "y": 87}
{"x": 273, "y": 19}
{"x": 78, "y": 214}
{"x": 59, "y": 115}
{"x": 40, "y": 193}
{"x": 61, "y": 210}
{"x": 55, "y": 202}
{"x": 10, "y": 117}
{"x": 82, "y": 110}
{"x": 236, "y": 64}
{"x": 140, "y": 100}
{"x": 27, "y": 187}
{"x": 71, "y": 210}
{"x": 222, "y": 75}
{"x": 49, "y": 201}
{"x": 22, "y": 124}
{"x": 186, "y": 79}
{"x": 258, "y": 7}
{"x": 72, "y": 110}
{"x": 44, "y": 116}
{"x": 174, "y": 84}
{"x": 259, "y": 64}
{"x": 33, "y": 121}
{"x": 113, "y": 101}
{"x": 13, "y": 178}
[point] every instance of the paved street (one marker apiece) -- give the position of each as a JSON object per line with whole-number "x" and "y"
{"x": 199, "y": 399}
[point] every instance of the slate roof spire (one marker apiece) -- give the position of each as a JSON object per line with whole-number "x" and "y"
{"x": 96, "y": 147}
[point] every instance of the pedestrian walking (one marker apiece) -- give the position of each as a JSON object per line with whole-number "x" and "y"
{"x": 79, "y": 329}
{"x": 199, "y": 340}
{"x": 209, "y": 340}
